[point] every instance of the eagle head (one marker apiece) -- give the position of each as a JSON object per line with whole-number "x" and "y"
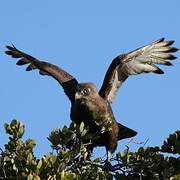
{"x": 85, "y": 90}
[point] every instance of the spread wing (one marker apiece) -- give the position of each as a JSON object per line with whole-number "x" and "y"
{"x": 139, "y": 61}
{"x": 67, "y": 81}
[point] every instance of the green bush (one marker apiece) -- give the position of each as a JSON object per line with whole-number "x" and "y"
{"x": 71, "y": 160}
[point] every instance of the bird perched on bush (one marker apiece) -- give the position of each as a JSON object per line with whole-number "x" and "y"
{"x": 91, "y": 106}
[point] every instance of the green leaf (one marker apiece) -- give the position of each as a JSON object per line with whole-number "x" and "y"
{"x": 62, "y": 174}
{"x": 47, "y": 157}
{"x": 97, "y": 160}
{"x": 39, "y": 165}
{"x": 15, "y": 168}
{"x": 84, "y": 132}
{"x": 81, "y": 127}
{"x": 6, "y": 158}
{"x": 8, "y": 129}
{"x": 30, "y": 144}
{"x": 53, "y": 159}
{"x": 35, "y": 177}
{"x": 29, "y": 158}
{"x": 71, "y": 176}
{"x": 172, "y": 144}
{"x": 30, "y": 177}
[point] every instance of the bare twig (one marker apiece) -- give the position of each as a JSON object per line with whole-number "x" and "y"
{"x": 146, "y": 142}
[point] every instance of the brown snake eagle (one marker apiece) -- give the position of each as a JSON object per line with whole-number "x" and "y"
{"x": 86, "y": 100}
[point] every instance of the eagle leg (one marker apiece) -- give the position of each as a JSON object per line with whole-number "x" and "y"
{"x": 108, "y": 154}
{"x": 107, "y": 165}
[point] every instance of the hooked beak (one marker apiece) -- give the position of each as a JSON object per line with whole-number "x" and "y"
{"x": 78, "y": 95}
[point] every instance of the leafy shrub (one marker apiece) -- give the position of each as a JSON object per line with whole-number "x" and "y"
{"x": 71, "y": 160}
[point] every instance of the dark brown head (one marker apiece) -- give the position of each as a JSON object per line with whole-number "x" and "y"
{"x": 86, "y": 90}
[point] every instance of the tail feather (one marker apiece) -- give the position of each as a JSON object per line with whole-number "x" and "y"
{"x": 125, "y": 132}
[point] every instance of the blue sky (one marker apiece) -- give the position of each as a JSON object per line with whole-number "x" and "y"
{"x": 83, "y": 37}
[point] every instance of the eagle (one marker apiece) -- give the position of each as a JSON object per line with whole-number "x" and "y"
{"x": 87, "y": 103}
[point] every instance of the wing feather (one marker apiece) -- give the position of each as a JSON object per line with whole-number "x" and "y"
{"x": 139, "y": 61}
{"x": 67, "y": 81}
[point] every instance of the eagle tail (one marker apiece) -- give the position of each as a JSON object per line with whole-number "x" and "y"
{"x": 125, "y": 132}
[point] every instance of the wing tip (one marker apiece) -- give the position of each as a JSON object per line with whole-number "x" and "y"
{"x": 172, "y": 57}
{"x": 8, "y": 47}
{"x": 167, "y": 43}
{"x": 159, "y": 71}
{"x": 167, "y": 63}
{"x": 173, "y": 49}
{"x": 29, "y": 68}
{"x": 8, "y": 52}
{"x": 12, "y": 47}
{"x": 161, "y": 39}
{"x": 22, "y": 62}
{"x": 12, "y": 51}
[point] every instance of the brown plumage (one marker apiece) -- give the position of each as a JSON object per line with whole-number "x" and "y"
{"x": 86, "y": 101}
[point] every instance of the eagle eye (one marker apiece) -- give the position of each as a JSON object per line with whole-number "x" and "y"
{"x": 85, "y": 91}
